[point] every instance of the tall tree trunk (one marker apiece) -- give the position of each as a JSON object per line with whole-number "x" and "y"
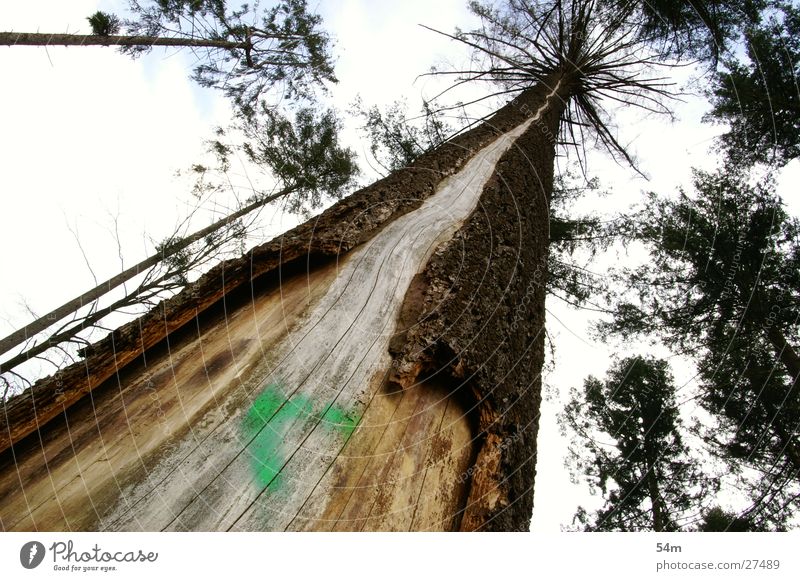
{"x": 653, "y": 491}
{"x": 237, "y": 417}
{"x": 44, "y": 39}
{"x": 482, "y": 315}
{"x": 762, "y": 308}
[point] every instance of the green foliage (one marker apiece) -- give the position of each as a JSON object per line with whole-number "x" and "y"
{"x": 711, "y": 252}
{"x": 177, "y": 263}
{"x": 759, "y": 99}
{"x": 104, "y": 24}
{"x": 723, "y": 284}
{"x": 303, "y": 156}
{"x": 280, "y": 51}
{"x": 576, "y": 239}
{"x": 629, "y": 445}
{"x": 397, "y": 140}
{"x": 698, "y": 29}
{"x": 718, "y": 520}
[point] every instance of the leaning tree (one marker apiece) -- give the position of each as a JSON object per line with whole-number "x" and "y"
{"x": 245, "y": 52}
{"x": 305, "y": 162}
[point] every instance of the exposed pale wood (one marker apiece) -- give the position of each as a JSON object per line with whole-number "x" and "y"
{"x": 339, "y": 229}
{"x": 445, "y": 481}
{"x": 400, "y": 486}
{"x": 329, "y": 361}
{"x": 91, "y": 462}
{"x": 119, "y": 470}
{"x": 375, "y": 474}
{"x": 328, "y": 501}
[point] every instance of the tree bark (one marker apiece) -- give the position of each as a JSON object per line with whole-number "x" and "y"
{"x": 44, "y": 39}
{"x": 654, "y": 492}
{"x": 762, "y": 309}
{"x": 481, "y": 324}
{"x": 339, "y": 229}
{"x": 652, "y": 487}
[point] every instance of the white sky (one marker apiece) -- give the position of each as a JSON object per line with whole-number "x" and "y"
{"x": 88, "y": 133}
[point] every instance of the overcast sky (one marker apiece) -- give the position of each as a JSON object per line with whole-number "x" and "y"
{"x": 89, "y": 134}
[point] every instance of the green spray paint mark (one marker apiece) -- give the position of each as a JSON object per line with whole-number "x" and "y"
{"x": 269, "y": 418}
{"x": 336, "y": 419}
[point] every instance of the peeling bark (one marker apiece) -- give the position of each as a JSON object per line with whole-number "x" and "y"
{"x": 339, "y": 229}
{"x": 471, "y": 320}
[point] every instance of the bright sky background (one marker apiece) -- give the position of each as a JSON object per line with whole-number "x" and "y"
{"x": 89, "y": 134}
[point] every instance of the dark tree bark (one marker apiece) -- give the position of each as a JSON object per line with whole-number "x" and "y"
{"x": 481, "y": 324}
{"x": 655, "y": 494}
{"x": 339, "y": 229}
{"x": 45, "y": 39}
